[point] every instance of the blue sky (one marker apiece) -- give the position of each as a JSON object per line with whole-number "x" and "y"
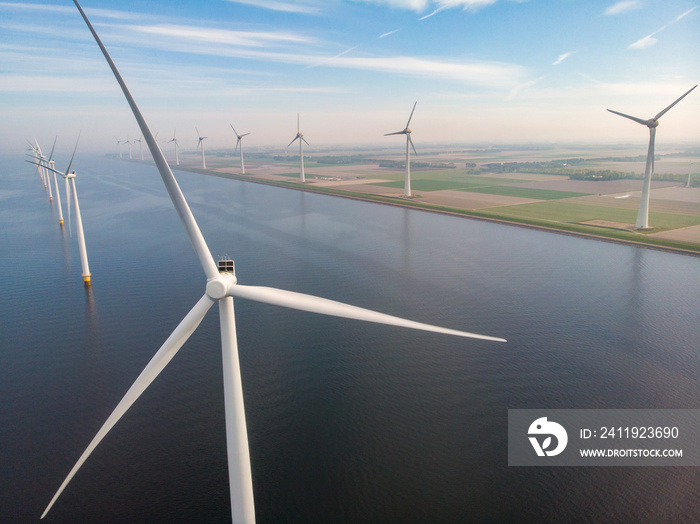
{"x": 482, "y": 71}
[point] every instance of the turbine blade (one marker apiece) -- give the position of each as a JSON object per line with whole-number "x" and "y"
{"x": 397, "y": 133}
{"x": 161, "y": 359}
{"x": 198, "y": 135}
{"x": 412, "y": 110}
{"x": 72, "y": 157}
{"x": 53, "y": 147}
{"x": 408, "y": 135}
{"x": 244, "y": 134}
{"x": 46, "y": 167}
{"x": 659, "y": 115}
{"x": 237, "y": 142}
{"x": 638, "y": 120}
{"x": 295, "y": 138}
{"x": 323, "y": 306}
{"x": 178, "y": 199}
{"x": 304, "y": 139}
{"x": 234, "y": 129}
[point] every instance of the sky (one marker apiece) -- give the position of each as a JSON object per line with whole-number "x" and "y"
{"x": 482, "y": 72}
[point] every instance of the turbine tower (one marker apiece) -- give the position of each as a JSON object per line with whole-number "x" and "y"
{"x": 140, "y": 146}
{"x": 300, "y": 137}
{"x": 652, "y": 124}
{"x": 70, "y": 188}
{"x": 128, "y": 143}
{"x": 221, "y": 287}
{"x": 407, "y": 132}
{"x": 177, "y": 157}
{"x": 201, "y": 144}
{"x": 240, "y": 141}
{"x": 119, "y": 144}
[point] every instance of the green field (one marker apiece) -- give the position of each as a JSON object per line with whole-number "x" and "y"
{"x": 558, "y": 211}
{"x": 525, "y": 192}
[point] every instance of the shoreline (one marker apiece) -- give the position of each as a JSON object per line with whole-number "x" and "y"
{"x": 398, "y": 202}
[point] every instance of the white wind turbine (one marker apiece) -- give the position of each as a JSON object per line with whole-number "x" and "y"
{"x": 119, "y": 144}
{"x": 300, "y": 137}
{"x": 407, "y": 132}
{"x": 140, "y": 146}
{"x": 201, "y": 144}
{"x": 70, "y": 188}
{"x": 240, "y": 141}
{"x": 221, "y": 287}
{"x": 177, "y": 157}
{"x": 652, "y": 124}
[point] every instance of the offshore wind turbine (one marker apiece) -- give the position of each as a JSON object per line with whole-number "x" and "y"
{"x": 177, "y": 157}
{"x": 128, "y": 143}
{"x": 300, "y": 137}
{"x": 140, "y": 145}
{"x": 240, "y": 141}
{"x": 70, "y": 188}
{"x": 221, "y": 287}
{"x": 201, "y": 144}
{"x": 407, "y": 132}
{"x": 119, "y": 144}
{"x": 652, "y": 124}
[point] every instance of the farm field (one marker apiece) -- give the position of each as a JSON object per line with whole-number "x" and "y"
{"x": 536, "y": 191}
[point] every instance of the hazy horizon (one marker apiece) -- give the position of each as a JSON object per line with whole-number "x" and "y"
{"x": 479, "y": 70}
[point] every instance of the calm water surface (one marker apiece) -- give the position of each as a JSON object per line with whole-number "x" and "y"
{"x": 348, "y": 422}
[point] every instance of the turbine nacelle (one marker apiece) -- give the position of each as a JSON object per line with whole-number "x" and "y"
{"x": 219, "y": 286}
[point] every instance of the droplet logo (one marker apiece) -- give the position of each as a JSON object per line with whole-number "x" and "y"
{"x": 541, "y": 427}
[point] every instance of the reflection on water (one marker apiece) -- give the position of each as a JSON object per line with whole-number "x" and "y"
{"x": 348, "y": 422}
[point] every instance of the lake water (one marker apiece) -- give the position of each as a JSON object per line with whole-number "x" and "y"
{"x": 348, "y": 422}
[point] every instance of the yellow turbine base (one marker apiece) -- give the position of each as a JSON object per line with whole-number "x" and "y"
{"x": 50, "y": 199}
{"x": 60, "y": 221}
{"x": 86, "y": 279}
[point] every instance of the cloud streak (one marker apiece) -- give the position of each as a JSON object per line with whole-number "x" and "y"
{"x": 285, "y": 7}
{"x": 562, "y": 57}
{"x": 650, "y": 40}
{"x": 622, "y": 7}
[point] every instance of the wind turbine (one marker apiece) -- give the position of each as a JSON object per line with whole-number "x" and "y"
{"x": 177, "y": 157}
{"x": 128, "y": 143}
{"x": 407, "y": 132}
{"x": 140, "y": 145}
{"x": 221, "y": 287}
{"x": 201, "y": 144}
{"x": 240, "y": 141}
{"x": 690, "y": 170}
{"x": 70, "y": 188}
{"x": 652, "y": 124}
{"x": 119, "y": 143}
{"x": 300, "y": 137}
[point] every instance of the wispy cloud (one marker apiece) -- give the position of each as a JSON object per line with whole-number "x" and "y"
{"x": 622, "y": 6}
{"x": 650, "y": 40}
{"x": 562, "y": 57}
{"x": 106, "y": 13}
{"x": 433, "y": 13}
{"x": 331, "y": 58}
{"x": 516, "y": 90}
{"x": 389, "y": 33}
{"x": 422, "y": 5}
{"x": 222, "y": 36}
{"x": 286, "y": 7}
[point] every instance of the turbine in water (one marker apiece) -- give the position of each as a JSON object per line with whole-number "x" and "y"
{"x": 221, "y": 287}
